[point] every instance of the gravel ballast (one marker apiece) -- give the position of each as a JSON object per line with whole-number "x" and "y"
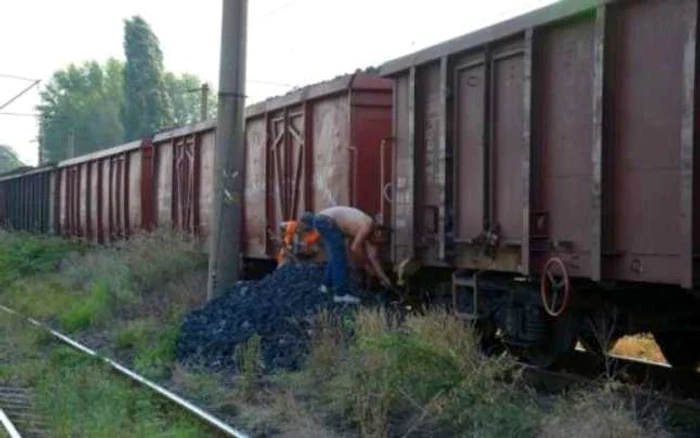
{"x": 279, "y": 308}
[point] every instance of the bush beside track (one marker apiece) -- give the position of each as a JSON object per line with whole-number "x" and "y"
{"x": 369, "y": 375}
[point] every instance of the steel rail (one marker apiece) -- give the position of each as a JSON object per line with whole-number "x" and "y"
{"x": 181, "y": 402}
{"x": 9, "y": 427}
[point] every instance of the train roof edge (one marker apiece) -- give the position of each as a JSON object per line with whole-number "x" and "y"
{"x": 548, "y": 14}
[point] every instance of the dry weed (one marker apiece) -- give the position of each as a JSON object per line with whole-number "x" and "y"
{"x": 598, "y": 413}
{"x": 327, "y": 344}
{"x": 422, "y": 376}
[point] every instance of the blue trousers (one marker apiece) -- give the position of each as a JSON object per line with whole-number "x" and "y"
{"x": 336, "y": 275}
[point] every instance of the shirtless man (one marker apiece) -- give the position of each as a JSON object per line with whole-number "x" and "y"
{"x": 334, "y": 225}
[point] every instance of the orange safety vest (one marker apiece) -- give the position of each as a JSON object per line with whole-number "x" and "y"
{"x": 310, "y": 238}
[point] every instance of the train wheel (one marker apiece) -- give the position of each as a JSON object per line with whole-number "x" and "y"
{"x": 559, "y": 342}
{"x": 679, "y": 348}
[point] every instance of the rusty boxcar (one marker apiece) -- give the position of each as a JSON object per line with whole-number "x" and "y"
{"x": 313, "y": 148}
{"x": 317, "y": 146}
{"x": 548, "y": 163}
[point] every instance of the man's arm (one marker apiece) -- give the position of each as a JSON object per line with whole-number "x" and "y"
{"x": 361, "y": 238}
{"x": 372, "y": 254}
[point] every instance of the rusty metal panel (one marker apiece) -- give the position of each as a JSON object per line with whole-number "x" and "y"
{"x": 470, "y": 85}
{"x": 429, "y": 184}
{"x": 254, "y": 193}
{"x": 186, "y": 183}
{"x": 403, "y": 236}
{"x": 110, "y": 200}
{"x": 82, "y": 199}
{"x": 333, "y": 163}
{"x": 371, "y": 124}
{"x": 59, "y": 201}
{"x": 529, "y": 88}
{"x": 441, "y": 176}
{"x": 126, "y": 187}
{"x": 296, "y": 162}
{"x": 107, "y": 199}
{"x": 133, "y": 190}
{"x": 99, "y": 201}
{"x": 689, "y": 185}
{"x": 562, "y": 223}
{"x": 147, "y": 186}
{"x": 287, "y": 154}
{"x": 51, "y": 201}
{"x": 599, "y": 222}
{"x": 88, "y": 199}
{"x": 117, "y": 196}
{"x": 164, "y": 193}
{"x": 648, "y": 108}
{"x": 506, "y": 147}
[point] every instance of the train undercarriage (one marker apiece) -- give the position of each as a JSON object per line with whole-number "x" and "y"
{"x": 542, "y": 324}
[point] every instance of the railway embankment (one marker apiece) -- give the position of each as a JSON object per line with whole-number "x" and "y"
{"x": 289, "y": 362}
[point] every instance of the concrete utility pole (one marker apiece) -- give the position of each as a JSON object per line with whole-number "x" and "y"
{"x": 205, "y": 101}
{"x": 40, "y": 158}
{"x": 71, "y": 144}
{"x": 224, "y": 253}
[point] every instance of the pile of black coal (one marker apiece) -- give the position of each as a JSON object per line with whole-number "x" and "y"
{"x": 280, "y": 308}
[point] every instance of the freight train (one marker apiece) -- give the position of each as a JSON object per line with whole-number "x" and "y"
{"x": 540, "y": 171}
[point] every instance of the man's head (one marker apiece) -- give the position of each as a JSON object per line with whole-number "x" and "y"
{"x": 380, "y": 235}
{"x": 306, "y": 221}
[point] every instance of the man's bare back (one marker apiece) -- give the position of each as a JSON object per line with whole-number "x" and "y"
{"x": 357, "y": 225}
{"x": 350, "y": 220}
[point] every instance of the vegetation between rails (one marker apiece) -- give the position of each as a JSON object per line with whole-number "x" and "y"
{"x": 421, "y": 376}
{"x": 78, "y": 396}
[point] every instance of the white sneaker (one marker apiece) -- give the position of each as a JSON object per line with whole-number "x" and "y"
{"x": 347, "y": 298}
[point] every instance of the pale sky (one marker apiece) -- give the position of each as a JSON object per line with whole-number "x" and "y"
{"x": 290, "y": 42}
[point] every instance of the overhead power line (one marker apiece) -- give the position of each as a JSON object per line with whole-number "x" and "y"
{"x": 21, "y": 114}
{"x": 284, "y": 6}
{"x": 19, "y": 78}
{"x": 18, "y": 95}
{"x": 278, "y": 84}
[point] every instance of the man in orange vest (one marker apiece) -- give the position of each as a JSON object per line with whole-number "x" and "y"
{"x": 299, "y": 241}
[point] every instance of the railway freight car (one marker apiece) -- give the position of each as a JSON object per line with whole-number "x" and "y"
{"x": 549, "y": 164}
{"x": 315, "y": 147}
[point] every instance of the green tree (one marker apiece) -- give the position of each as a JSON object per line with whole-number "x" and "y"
{"x": 186, "y": 96}
{"x": 8, "y": 159}
{"x": 81, "y": 105}
{"x": 147, "y": 104}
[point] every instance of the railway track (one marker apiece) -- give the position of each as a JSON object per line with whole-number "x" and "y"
{"x": 17, "y": 412}
{"x": 646, "y": 383}
{"x": 17, "y": 409}
{"x": 18, "y": 415}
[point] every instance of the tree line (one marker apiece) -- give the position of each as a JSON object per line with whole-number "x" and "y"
{"x": 8, "y": 159}
{"x": 95, "y": 105}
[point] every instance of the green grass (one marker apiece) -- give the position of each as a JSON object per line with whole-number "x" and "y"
{"x": 24, "y": 254}
{"x": 94, "y": 307}
{"x": 60, "y": 281}
{"x": 152, "y": 345}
